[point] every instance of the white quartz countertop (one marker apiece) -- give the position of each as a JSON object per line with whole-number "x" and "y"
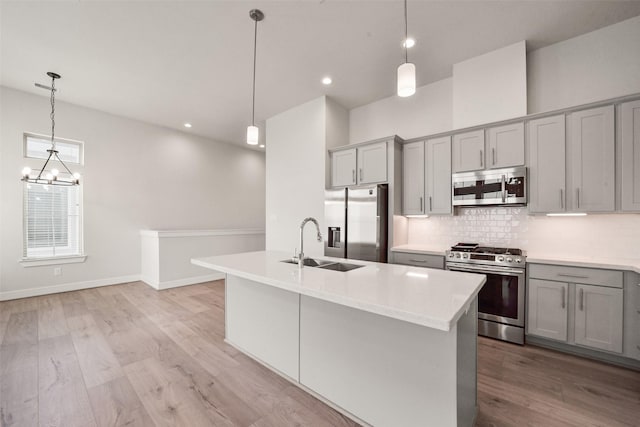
{"x": 427, "y": 297}
{"x": 419, "y": 249}
{"x": 630, "y": 264}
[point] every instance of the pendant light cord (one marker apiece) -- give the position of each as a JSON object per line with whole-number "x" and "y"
{"x": 253, "y": 103}
{"x": 406, "y": 34}
{"x": 53, "y": 113}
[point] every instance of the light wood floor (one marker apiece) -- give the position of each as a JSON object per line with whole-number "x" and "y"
{"x": 130, "y": 355}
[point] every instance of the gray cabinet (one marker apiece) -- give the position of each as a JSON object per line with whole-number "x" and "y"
{"x": 413, "y": 171}
{"x": 419, "y": 260}
{"x": 343, "y": 168}
{"x": 505, "y": 146}
{"x": 372, "y": 163}
{"x": 366, "y": 164}
{"x": 598, "y": 317}
{"x": 438, "y": 176}
{"x": 468, "y": 151}
{"x": 577, "y": 305}
{"x": 547, "y": 185}
{"x": 547, "y": 309}
{"x": 630, "y": 136}
{"x": 592, "y": 160}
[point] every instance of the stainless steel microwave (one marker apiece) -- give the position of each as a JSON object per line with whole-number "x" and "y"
{"x": 490, "y": 187}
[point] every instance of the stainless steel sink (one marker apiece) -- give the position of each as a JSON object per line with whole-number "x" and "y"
{"x": 310, "y": 262}
{"x": 340, "y": 266}
{"x": 327, "y": 265}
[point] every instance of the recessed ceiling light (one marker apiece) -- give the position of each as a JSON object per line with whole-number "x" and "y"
{"x": 409, "y": 43}
{"x": 326, "y": 80}
{"x": 187, "y": 125}
{"x": 261, "y": 145}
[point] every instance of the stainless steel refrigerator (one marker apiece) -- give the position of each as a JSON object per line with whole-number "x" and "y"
{"x": 357, "y": 223}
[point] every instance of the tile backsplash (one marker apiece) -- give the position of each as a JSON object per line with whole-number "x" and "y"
{"x": 610, "y": 235}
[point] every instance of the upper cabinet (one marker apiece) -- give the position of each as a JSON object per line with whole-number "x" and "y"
{"x": 438, "y": 176}
{"x": 413, "y": 178}
{"x": 426, "y": 177}
{"x": 547, "y": 170}
{"x": 630, "y": 136}
{"x": 505, "y": 146}
{"x": 366, "y": 164}
{"x": 592, "y": 160}
{"x": 372, "y": 163}
{"x": 343, "y": 168}
{"x": 468, "y": 151}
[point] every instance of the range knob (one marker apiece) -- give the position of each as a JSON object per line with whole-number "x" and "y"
{"x": 450, "y": 255}
{"x": 500, "y": 258}
{"x": 465, "y": 256}
{"x": 518, "y": 260}
{"x": 457, "y": 255}
{"x": 509, "y": 259}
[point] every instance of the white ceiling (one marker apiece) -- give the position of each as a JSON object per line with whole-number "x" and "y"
{"x": 173, "y": 62}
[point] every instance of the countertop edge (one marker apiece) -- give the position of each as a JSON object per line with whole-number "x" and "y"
{"x": 371, "y": 308}
{"x": 585, "y": 263}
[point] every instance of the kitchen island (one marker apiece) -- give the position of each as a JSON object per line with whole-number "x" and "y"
{"x": 387, "y": 345}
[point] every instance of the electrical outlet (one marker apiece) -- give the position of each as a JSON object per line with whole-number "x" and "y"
{"x": 57, "y": 271}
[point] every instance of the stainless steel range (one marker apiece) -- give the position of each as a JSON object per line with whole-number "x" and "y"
{"x": 501, "y": 299}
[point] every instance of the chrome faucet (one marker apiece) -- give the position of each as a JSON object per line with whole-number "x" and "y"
{"x": 304, "y": 222}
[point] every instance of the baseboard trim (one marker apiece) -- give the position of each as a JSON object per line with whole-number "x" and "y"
{"x": 67, "y": 287}
{"x": 614, "y": 359}
{"x": 183, "y": 282}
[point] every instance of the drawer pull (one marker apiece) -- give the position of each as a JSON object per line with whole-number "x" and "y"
{"x": 418, "y": 260}
{"x": 575, "y": 276}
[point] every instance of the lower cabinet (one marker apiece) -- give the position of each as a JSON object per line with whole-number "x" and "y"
{"x": 547, "y": 315}
{"x": 419, "y": 260}
{"x": 588, "y": 315}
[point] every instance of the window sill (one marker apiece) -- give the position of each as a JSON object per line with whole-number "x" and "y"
{"x": 36, "y": 262}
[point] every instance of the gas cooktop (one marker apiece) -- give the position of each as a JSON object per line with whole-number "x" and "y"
{"x": 476, "y": 254}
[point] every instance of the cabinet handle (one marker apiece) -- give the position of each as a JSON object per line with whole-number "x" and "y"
{"x": 420, "y": 204}
{"x": 578, "y": 197}
{"x": 564, "y": 298}
{"x": 360, "y": 174}
{"x": 581, "y": 299}
{"x": 561, "y": 199}
{"x": 575, "y": 276}
{"x": 353, "y": 175}
{"x": 504, "y": 188}
{"x": 481, "y": 155}
{"x": 493, "y": 155}
{"x": 418, "y": 260}
{"x": 430, "y": 204}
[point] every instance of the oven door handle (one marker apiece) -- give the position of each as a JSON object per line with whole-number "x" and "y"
{"x": 481, "y": 270}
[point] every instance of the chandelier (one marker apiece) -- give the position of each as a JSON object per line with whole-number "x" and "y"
{"x": 53, "y": 176}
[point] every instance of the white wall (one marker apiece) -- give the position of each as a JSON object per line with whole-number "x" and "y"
{"x": 490, "y": 87}
{"x": 295, "y": 177}
{"x": 427, "y": 112}
{"x": 591, "y": 67}
{"x": 136, "y": 176}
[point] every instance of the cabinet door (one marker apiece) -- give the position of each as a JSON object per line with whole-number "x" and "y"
{"x": 547, "y": 309}
{"x": 413, "y": 178}
{"x": 593, "y": 160}
{"x": 630, "y": 156}
{"x": 438, "y": 175}
{"x": 468, "y": 151}
{"x": 372, "y": 163}
{"x": 505, "y": 146}
{"x": 547, "y": 191}
{"x": 599, "y": 317}
{"x": 343, "y": 168}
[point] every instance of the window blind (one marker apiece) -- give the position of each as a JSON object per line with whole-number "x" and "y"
{"x": 52, "y": 218}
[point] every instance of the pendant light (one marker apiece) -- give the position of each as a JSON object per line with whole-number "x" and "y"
{"x": 406, "y": 71}
{"x": 253, "y": 132}
{"x": 53, "y": 176}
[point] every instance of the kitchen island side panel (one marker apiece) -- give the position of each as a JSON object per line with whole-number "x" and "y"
{"x": 263, "y": 321}
{"x": 387, "y": 371}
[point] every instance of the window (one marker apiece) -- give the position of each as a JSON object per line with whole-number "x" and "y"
{"x": 52, "y": 213}
{"x": 36, "y": 146}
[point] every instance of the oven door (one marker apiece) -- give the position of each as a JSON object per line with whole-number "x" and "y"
{"x": 501, "y": 298}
